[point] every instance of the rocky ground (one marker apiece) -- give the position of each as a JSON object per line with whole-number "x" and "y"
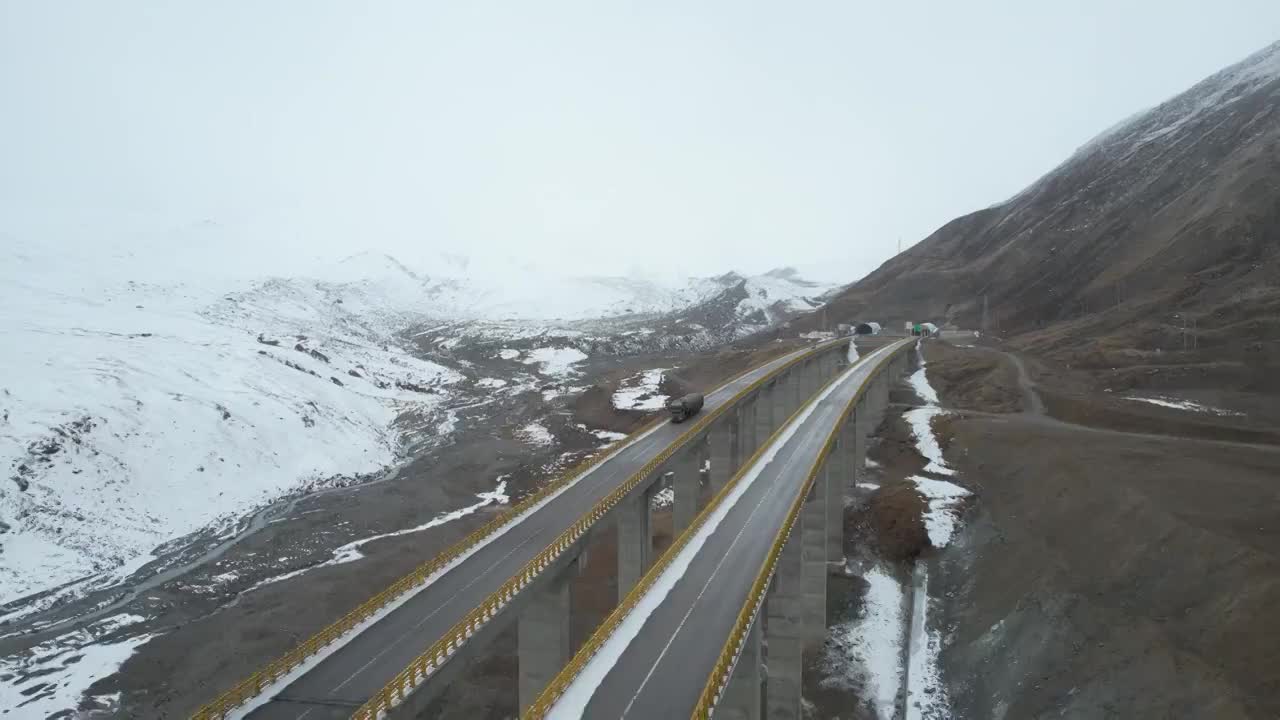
{"x": 1123, "y": 559}
{"x": 1117, "y": 559}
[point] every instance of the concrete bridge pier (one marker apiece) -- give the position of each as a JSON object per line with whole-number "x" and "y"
{"x": 741, "y": 699}
{"x": 763, "y": 411}
{"x": 785, "y": 632}
{"x": 836, "y": 473}
{"x": 813, "y": 521}
{"x": 782, "y": 407}
{"x": 747, "y": 430}
{"x": 863, "y": 427}
{"x": 542, "y": 634}
{"x": 686, "y": 468}
{"x": 635, "y": 539}
{"x": 796, "y": 387}
{"x": 723, "y": 442}
{"x": 813, "y": 378}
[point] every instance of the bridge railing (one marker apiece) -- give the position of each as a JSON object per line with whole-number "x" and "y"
{"x": 252, "y": 686}
{"x": 724, "y": 666}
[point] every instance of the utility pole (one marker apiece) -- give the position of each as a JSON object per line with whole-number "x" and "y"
{"x": 984, "y": 313}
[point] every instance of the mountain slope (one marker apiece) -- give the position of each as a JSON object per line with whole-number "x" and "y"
{"x": 132, "y": 413}
{"x": 456, "y": 288}
{"x": 1169, "y": 219}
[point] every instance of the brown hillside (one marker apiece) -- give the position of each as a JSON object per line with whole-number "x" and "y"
{"x": 1171, "y": 219}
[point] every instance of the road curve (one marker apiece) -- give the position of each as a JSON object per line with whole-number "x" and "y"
{"x": 661, "y": 671}
{"x": 349, "y": 675}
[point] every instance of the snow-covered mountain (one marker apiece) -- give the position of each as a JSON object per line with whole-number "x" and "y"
{"x": 134, "y": 412}
{"x": 1165, "y": 221}
{"x": 140, "y": 403}
{"x": 456, "y": 288}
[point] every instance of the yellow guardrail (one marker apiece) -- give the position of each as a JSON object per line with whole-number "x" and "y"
{"x": 556, "y": 688}
{"x": 253, "y": 685}
{"x": 729, "y": 654}
{"x": 395, "y": 691}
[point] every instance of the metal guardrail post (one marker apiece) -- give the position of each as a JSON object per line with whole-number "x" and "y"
{"x": 742, "y": 693}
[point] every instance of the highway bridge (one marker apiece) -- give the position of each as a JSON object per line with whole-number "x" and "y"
{"x": 762, "y": 438}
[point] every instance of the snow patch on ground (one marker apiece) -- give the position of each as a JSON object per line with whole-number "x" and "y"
{"x": 640, "y": 392}
{"x": 865, "y": 654}
{"x": 666, "y": 497}
{"x": 351, "y": 551}
{"x": 536, "y": 434}
{"x": 55, "y": 675}
{"x": 944, "y": 499}
{"x": 921, "y": 420}
{"x": 555, "y": 361}
{"x": 1185, "y": 405}
{"x": 608, "y": 435}
{"x": 508, "y": 354}
{"x": 493, "y": 383}
{"x": 926, "y": 693}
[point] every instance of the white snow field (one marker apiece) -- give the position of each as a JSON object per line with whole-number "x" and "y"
{"x": 134, "y": 410}
{"x": 865, "y": 654}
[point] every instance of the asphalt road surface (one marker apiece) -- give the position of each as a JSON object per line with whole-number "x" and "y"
{"x": 353, "y": 673}
{"x": 662, "y": 671}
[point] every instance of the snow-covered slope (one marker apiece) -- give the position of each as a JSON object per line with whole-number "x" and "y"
{"x": 134, "y": 412}
{"x": 455, "y": 288}
{"x": 143, "y": 398}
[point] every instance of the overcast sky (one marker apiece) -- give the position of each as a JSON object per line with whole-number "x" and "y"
{"x": 597, "y": 137}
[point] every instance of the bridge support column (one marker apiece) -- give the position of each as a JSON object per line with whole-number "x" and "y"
{"x": 741, "y": 700}
{"x": 837, "y": 476}
{"x": 747, "y": 431}
{"x": 781, "y": 403}
{"x": 764, "y": 415}
{"x": 686, "y": 466}
{"x": 814, "y": 561}
{"x": 796, "y": 388}
{"x": 722, "y": 442}
{"x": 865, "y": 427}
{"x": 542, "y": 635}
{"x": 853, "y": 444}
{"x": 635, "y": 540}
{"x": 880, "y": 387}
{"x": 785, "y": 633}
